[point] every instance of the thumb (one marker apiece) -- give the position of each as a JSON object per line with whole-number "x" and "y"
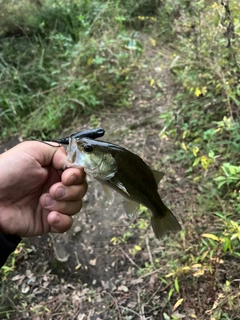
{"x": 45, "y": 153}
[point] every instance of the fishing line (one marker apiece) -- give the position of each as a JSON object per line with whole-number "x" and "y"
{"x": 48, "y": 142}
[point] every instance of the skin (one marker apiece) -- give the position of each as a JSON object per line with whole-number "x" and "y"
{"x": 36, "y": 196}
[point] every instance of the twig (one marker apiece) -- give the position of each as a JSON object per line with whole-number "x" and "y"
{"x": 170, "y": 122}
{"x": 219, "y": 200}
{"x": 158, "y": 289}
{"x": 134, "y": 312}
{"x": 150, "y": 273}
{"x": 149, "y": 251}
{"x": 141, "y": 308}
{"x": 77, "y": 259}
{"x": 130, "y": 259}
{"x": 116, "y": 304}
{"x": 78, "y": 102}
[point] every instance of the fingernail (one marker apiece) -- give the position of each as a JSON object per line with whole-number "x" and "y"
{"x": 57, "y": 219}
{"x": 72, "y": 179}
{"x": 60, "y": 192}
{"x": 49, "y": 201}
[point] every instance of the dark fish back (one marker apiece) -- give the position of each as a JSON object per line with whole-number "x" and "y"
{"x": 138, "y": 179}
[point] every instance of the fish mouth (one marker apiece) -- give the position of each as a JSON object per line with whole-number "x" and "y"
{"x": 75, "y": 158}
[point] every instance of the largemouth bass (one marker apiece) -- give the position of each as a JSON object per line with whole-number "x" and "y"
{"x": 125, "y": 172}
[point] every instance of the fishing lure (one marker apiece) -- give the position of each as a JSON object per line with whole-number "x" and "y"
{"x": 88, "y": 133}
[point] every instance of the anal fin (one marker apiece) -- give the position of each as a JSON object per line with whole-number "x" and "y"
{"x": 109, "y": 193}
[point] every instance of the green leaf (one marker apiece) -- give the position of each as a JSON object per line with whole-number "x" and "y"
{"x": 196, "y": 161}
{"x": 176, "y": 284}
{"x": 211, "y": 154}
{"x": 227, "y": 245}
{"x": 216, "y": 20}
{"x": 170, "y": 293}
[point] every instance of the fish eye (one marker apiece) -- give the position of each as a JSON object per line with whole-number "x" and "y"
{"x": 88, "y": 148}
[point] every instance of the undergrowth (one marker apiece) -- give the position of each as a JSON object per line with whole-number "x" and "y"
{"x": 80, "y": 55}
{"x": 60, "y": 60}
{"x": 205, "y": 124}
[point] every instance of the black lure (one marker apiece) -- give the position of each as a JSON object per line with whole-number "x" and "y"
{"x": 88, "y": 133}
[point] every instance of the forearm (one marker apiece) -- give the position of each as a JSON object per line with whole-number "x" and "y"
{"x": 8, "y": 244}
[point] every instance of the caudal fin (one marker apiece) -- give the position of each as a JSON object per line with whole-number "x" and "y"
{"x": 162, "y": 224}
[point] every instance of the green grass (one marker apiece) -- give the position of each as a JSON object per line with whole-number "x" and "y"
{"x": 73, "y": 58}
{"x": 60, "y": 60}
{"x": 207, "y": 132}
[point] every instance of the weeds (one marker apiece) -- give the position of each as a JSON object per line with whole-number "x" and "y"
{"x": 205, "y": 125}
{"x": 206, "y": 65}
{"x": 76, "y": 58}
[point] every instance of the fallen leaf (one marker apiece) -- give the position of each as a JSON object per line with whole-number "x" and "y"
{"x": 123, "y": 288}
{"x": 25, "y": 288}
{"x": 177, "y": 304}
{"x": 93, "y": 262}
{"x": 210, "y": 236}
{"x": 152, "y": 82}
{"x": 78, "y": 266}
{"x": 198, "y": 273}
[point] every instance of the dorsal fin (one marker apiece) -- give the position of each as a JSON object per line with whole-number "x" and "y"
{"x": 157, "y": 175}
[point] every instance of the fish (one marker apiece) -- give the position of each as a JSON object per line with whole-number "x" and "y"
{"x": 119, "y": 169}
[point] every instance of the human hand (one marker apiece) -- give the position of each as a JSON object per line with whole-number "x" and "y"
{"x": 36, "y": 196}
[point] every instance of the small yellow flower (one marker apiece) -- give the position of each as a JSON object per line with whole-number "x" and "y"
{"x": 153, "y": 42}
{"x": 197, "y": 92}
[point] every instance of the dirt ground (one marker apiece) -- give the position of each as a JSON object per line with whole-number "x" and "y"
{"x": 88, "y": 272}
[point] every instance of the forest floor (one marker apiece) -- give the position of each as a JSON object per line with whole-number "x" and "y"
{"x": 90, "y": 272}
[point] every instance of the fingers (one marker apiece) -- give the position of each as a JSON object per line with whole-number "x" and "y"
{"x": 66, "y": 196}
{"x": 64, "y": 199}
{"x": 60, "y": 193}
{"x": 73, "y": 176}
{"x": 69, "y": 202}
{"x": 44, "y": 153}
{"x": 58, "y": 222}
{"x": 66, "y": 207}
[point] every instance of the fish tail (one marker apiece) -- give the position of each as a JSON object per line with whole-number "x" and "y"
{"x": 163, "y": 223}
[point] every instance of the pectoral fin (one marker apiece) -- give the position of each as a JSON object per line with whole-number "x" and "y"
{"x": 130, "y": 207}
{"x": 121, "y": 186}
